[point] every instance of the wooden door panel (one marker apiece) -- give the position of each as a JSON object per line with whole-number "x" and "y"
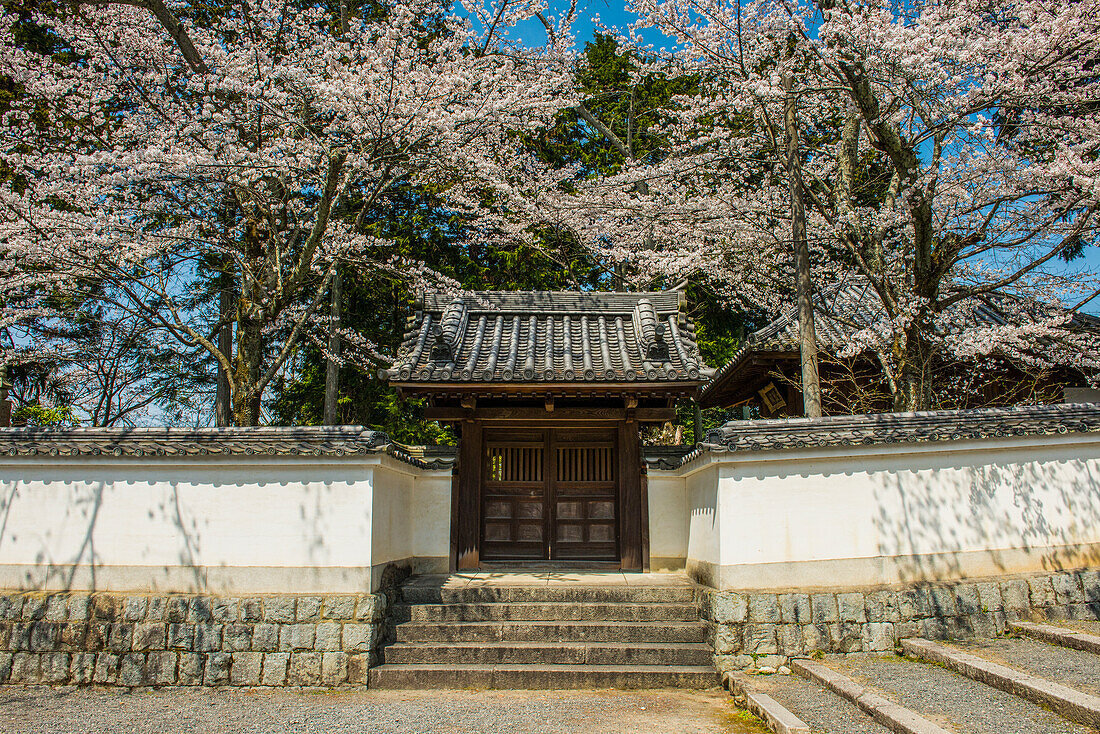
{"x": 585, "y": 493}
{"x": 515, "y": 515}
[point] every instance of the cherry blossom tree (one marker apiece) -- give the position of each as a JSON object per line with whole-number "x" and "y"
{"x": 251, "y": 144}
{"x": 965, "y": 159}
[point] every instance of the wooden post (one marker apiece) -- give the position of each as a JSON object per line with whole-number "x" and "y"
{"x": 466, "y": 519}
{"x": 630, "y": 495}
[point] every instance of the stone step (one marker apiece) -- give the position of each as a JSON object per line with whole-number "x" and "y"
{"x": 658, "y": 632}
{"x": 544, "y": 594}
{"x": 542, "y": 676}
{"x": 529, "y": 611}
{"x": 535, "y": 653}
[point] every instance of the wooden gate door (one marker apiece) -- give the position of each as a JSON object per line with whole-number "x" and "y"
{"x": 549, "y": 494}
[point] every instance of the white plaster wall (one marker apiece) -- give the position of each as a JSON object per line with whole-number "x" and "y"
{"x": 263, "y": 524}
{"x": 886, "y": 514}
{"x": 412, "y": 518}
{"x": 668, "y": 520}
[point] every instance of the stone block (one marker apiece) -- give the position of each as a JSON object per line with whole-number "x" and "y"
{"x": 369, "y": 608}
{"x": 851, "y": 637}
{"x": 360, "y": 637}
{"x": 217, "y": 669}
{"x": 181, "y": 636}
{"x": 296, "y": 637}
{"x": 789, "y": 639}
{"x": 134, "y": 608}
{"x": 760, "y": 639}
{"x": 73, "y": 637}
{"x": 251, "y": 609}
{"x": 824, "y": 608}
{"x": 727, "y": 639}
{"x": 131, "y": 672}
{"x": 795, "y": 608}
{"x": 1016, "y": 596}
{"x": 279, "y": 609}
{"x": 45, "y": 636}
{"x": 989, "y": 596}
{"x": 155, "y": 609}
{"x": 237, "y": 637}
{"x": 328, "y": 637}
{"x": 912, "y": 628}
{"x": 882, "y": 606}
{"x": 160, "y": 668}
{"x": 201, "y": 610}
{"x": 224, "y": 609}
{"x": 246, "y": 668}
{"x": 274, "y": 672}
{"x": 5, "y": 666}
{"x": 877, "y": 637}
{"x": 55, "y": 668}
{"x": 19, "y": 637}
{"x": 305, "y": 669}
{"x": 334, "y": 668}
{"x": 728, "y": 607}
{"x": 914, "y": 603}
{"x": 339, "y": 607}
{"x": 943, "y": 601}
{"x": 105, "y": 608}
{"x": 933, "y": 628}
{"x": 34, "y": 608}
{"x": 967, "y": 599}
{"x": 26, "y": 668}
{"x": 265, "y": 637}
{"x": 1055, "y": 613}
{"x": 851, "y": 608}
{"x": 1084, "y": 612}
{"x": 122, "y": 637}
{"x": 764, "y": 608}
{"x": 1090, "y": 585}
{"x": 208, "y": 637}
{"x": 958, "y": 627}
{"x": 82, "y": 668}
{"x": 358, "y": 669}
{"x": 11, "y": 606}
{"x": 983, "y": 625}
{"x": 5, "y": 636}
{"x": 191, "y": 666}
{"x": 57, "y": 608}
{"x": 1041, "y": 591}
{"x": 1067, "y": 589}
{"x": 820, "y": 636}
{"x": 308, "y": 609}
{"x": 150, "y": 636}
{"x": 176, "y": 609}
{"x": 106, "y": 668}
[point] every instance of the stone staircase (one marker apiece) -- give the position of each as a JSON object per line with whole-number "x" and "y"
{"x": 537, "y": 632}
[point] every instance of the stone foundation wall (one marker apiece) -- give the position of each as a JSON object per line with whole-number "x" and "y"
{"x": 188, "y": 640}
{"x": 767, "y": 629}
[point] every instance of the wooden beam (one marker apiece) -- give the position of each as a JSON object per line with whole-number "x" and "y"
{"x": 531, "y": 413}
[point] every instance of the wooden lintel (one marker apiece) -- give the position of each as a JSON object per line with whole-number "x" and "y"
{"x": 525, "y": 413}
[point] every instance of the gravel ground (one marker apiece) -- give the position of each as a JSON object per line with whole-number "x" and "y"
{"x": 1073, "y": 668}
{"x": 259, "y": 711}
{"x": 952, "y": 701}
{"x": 820, "y": 709}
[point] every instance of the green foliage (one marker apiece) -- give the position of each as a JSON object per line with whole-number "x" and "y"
{"x": 38, "y": 415}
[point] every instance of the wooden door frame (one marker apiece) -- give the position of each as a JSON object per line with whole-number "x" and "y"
{"x": 466, "y": 492}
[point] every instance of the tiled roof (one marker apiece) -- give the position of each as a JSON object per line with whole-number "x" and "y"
{"x": 552, "y": 337}
{"x": 844, "y": 309}
{"x": 932, "y": 425}
{"x": 250, "y": 441}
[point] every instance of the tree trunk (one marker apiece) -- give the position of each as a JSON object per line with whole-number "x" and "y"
{"x": 914, "y": 388}
{"x": 811, "y": 382}
{"x": 223, "y": 408}
{"x": 332, "y": 368}
{"x": 250, "y": 346}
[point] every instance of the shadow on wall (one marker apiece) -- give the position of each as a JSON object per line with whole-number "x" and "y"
{"x": 946, "y": 519}
{"x": 175, "y": 522}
